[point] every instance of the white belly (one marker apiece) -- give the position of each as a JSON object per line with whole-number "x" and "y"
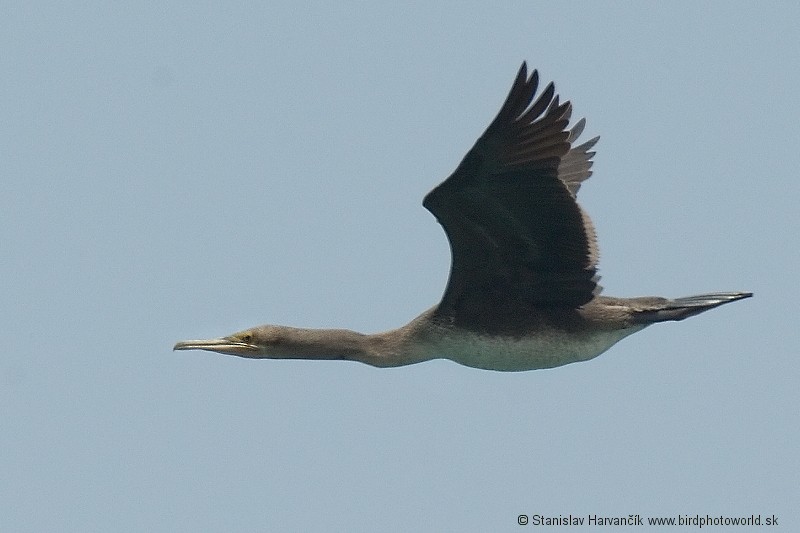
{"x": 546, "y": 350}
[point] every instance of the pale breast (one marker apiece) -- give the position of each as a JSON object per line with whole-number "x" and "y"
{"x": 546, "y": 349}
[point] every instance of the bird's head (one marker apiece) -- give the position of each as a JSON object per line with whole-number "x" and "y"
{"x": 258, "y": 342}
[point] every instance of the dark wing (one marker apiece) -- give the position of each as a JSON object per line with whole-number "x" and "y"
{"x": 519, "y": 240}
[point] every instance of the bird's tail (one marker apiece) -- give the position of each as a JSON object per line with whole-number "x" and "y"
{"x": 681, "y": 308}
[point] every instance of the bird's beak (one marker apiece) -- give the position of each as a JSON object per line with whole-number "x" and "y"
{"x": 224, "y": 345}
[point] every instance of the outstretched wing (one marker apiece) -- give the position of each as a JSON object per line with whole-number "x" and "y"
{"x": 519, "y": 240}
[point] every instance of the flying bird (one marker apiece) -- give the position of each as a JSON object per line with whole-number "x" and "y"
{"x": 523, "y": 289}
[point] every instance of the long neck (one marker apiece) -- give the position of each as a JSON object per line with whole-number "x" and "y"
{"x": 390, "y": 348}
{"x": 333, "y": 344}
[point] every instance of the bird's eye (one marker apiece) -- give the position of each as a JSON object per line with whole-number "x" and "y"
{"x": 247, "y": 337}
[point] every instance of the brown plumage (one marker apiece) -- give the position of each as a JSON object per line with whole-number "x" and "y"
{"x": 522, "y": 292}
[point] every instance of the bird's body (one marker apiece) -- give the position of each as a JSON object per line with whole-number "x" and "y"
{"x": 546, "y": 346}
{"x": 522, "y": 292}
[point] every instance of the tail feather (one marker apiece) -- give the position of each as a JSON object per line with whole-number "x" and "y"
{"x": 681, "y": 308}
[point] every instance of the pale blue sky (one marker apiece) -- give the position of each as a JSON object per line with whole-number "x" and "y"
{"x": 188, "y": 170}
